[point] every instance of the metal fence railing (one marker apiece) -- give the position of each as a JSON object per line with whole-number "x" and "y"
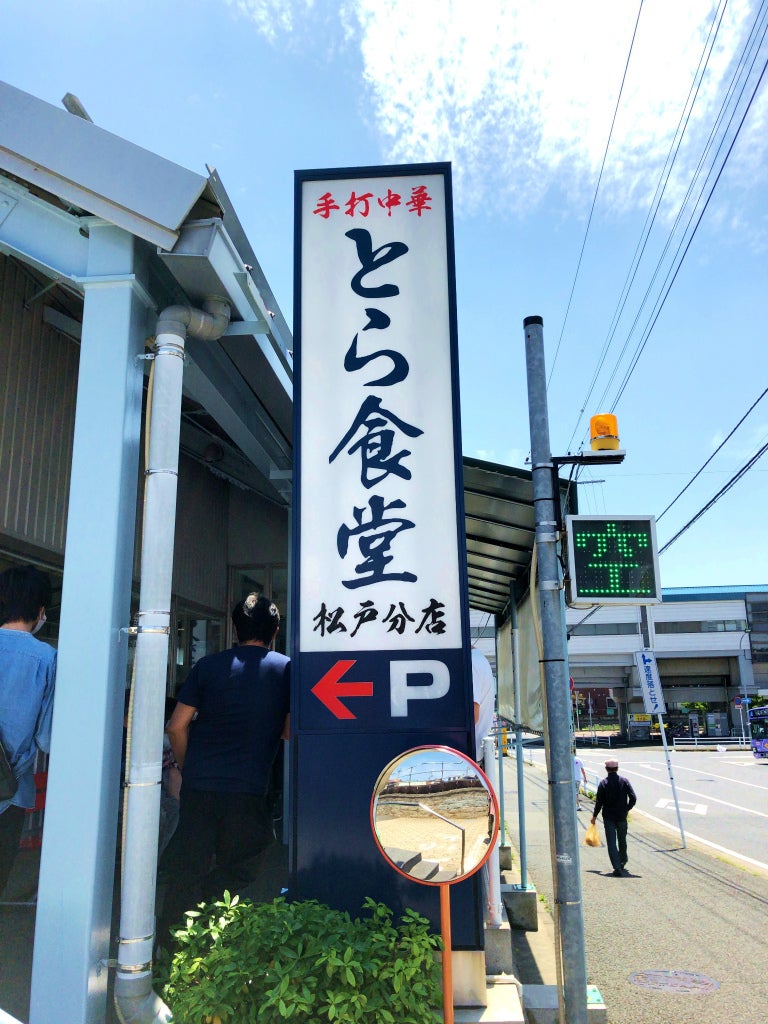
{"x": 711, "y": 742}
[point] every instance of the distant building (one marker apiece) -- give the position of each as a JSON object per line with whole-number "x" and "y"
{"x": 711, "y": 646}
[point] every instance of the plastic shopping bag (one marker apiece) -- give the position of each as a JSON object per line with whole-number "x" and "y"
{"x": 592, "y": 836}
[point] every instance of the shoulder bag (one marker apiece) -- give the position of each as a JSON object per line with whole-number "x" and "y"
{"x": 8, "y": 783}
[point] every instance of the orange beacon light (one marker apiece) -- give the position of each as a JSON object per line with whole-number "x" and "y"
{"x": 604, "y": 432}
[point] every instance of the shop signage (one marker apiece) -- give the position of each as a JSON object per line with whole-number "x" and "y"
{"x": 380, "y": 551}
{"x": 381, "y": 654}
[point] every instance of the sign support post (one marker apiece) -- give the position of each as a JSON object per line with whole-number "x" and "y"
{"x": 653, "y": 700}
{"x": 567, "y": 879}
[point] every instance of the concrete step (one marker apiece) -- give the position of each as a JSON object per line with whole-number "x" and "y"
{"x": 504, "y": 1005}
{"x": 406, "y": 860}
{"x": 426, "y": 870}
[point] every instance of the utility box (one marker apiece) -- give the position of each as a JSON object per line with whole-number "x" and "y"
{"x": 717, "y": 723}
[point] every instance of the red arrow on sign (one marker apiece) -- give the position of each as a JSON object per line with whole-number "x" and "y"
{"x": 328, "y": 689}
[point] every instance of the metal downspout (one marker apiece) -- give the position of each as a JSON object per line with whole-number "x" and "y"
{"x": 135, "y": 1001}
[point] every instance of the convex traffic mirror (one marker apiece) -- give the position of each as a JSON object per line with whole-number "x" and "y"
{"x": 434, "y": 815}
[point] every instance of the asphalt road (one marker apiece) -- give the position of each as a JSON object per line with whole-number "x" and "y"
{"x": 722, "y": 797}
{"x": 683, "y": 938}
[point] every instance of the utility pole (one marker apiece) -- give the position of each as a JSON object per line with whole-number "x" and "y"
{"x": 567, "y": 878}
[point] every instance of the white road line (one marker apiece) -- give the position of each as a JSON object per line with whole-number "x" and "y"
{"x": 705, "y": 842}
{"x": 708, "y": 798}
{"x": 725, "y": 778}
{"x": 664, "y": 804}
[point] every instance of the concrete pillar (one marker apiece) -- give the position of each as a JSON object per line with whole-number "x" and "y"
{"x": 69, "y": 976}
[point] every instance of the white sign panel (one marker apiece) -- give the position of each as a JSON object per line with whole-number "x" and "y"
{"x": 650, "y": 682}
{"x": 379, "y": 559}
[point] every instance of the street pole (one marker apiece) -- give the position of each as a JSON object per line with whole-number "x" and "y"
{"x": 518, "y": 712}
{"x": 567, "y": 879}
{"x": 743, "y": 672}
{"x": 672, "y": 780}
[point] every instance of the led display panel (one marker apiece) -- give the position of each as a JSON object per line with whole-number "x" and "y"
{"x": 612, "y": 560}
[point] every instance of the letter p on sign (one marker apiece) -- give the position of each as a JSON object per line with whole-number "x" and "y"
{"x": 401, "y": 691}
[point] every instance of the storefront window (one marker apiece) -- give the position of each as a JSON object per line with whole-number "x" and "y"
{"x": 196, "y": 636}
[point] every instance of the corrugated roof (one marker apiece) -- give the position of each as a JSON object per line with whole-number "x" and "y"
{"x": 499, "y": 524}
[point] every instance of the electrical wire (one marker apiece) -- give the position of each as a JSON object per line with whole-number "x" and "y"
{"x": 597, "y": 189}
{"x": 653, "y": 209}
{"x": 714, "y": 453}
{"x": 723, "y": 490}
{"x": 737, "y": 75}
{"x": 660, "y": 304}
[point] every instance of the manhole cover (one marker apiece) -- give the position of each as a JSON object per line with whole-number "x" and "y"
{"x": 684, "y": 982}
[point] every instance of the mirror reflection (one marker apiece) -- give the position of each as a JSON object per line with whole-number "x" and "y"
{"x": 434, "y": 815}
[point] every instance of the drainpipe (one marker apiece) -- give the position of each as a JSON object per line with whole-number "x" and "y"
{"x": 135, "y": 1001}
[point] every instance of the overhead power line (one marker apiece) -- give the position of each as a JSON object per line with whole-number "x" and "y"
{"x": 674, "y": 271}
{"x": 594, "y": 198}
{"x": 714, "y": 453}
{"x": 650, "y": 219}
{"x": 723, "y": 490}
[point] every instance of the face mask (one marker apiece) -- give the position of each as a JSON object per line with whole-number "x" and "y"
{"x": 40, "y": 624}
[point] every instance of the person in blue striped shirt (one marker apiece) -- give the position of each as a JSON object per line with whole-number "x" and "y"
{"x": 27, "y": 680}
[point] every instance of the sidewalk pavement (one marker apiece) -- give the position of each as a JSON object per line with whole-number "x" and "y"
{"x": 679, "y": 941}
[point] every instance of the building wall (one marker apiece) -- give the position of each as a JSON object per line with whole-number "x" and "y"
{"x": 217, "y": 524}
{"x": 700, "y": 663}
{"x": 38, "y": 370}
{"x": 200, "y": 554}
{"x": 258, "y": 530}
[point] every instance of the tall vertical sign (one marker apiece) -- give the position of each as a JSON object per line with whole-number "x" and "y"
{"x": 381, "y": 652}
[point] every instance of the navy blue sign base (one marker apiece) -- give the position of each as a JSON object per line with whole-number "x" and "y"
{"x": 334, "y": 858}
{"x": 381, "y": 690}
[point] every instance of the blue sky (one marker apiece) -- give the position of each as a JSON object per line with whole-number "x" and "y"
{"x": 520, "y": 97}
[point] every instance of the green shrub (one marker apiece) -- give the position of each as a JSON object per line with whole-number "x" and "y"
{"x": 242, "y": 962}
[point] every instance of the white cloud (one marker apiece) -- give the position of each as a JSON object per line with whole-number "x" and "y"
{"x": 273, "y": 18}
{"x": 520, "y": 94}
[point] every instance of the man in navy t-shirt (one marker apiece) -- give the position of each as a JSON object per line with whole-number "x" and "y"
{"x": 231, "y": 713}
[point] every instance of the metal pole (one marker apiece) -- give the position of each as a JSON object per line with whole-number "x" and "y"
{"x": 743, "y": 662}
{"x": 445, "y": 933}
{"x": 495, "y": 903}
{"x": 567, "y": 879}
{"x": 519, "y": 744}
{"x": 671, "y": 778}
{"x": 499, "y": 756}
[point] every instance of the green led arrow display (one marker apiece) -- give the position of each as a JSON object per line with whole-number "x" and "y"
{"x": 613, "y": 559}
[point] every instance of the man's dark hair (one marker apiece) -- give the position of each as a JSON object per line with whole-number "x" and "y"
{"x": 255, "y": 618}
{"x": 24, "y": 590}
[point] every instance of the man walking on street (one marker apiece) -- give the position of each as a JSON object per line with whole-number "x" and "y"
{"x": 615, "y": 798}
